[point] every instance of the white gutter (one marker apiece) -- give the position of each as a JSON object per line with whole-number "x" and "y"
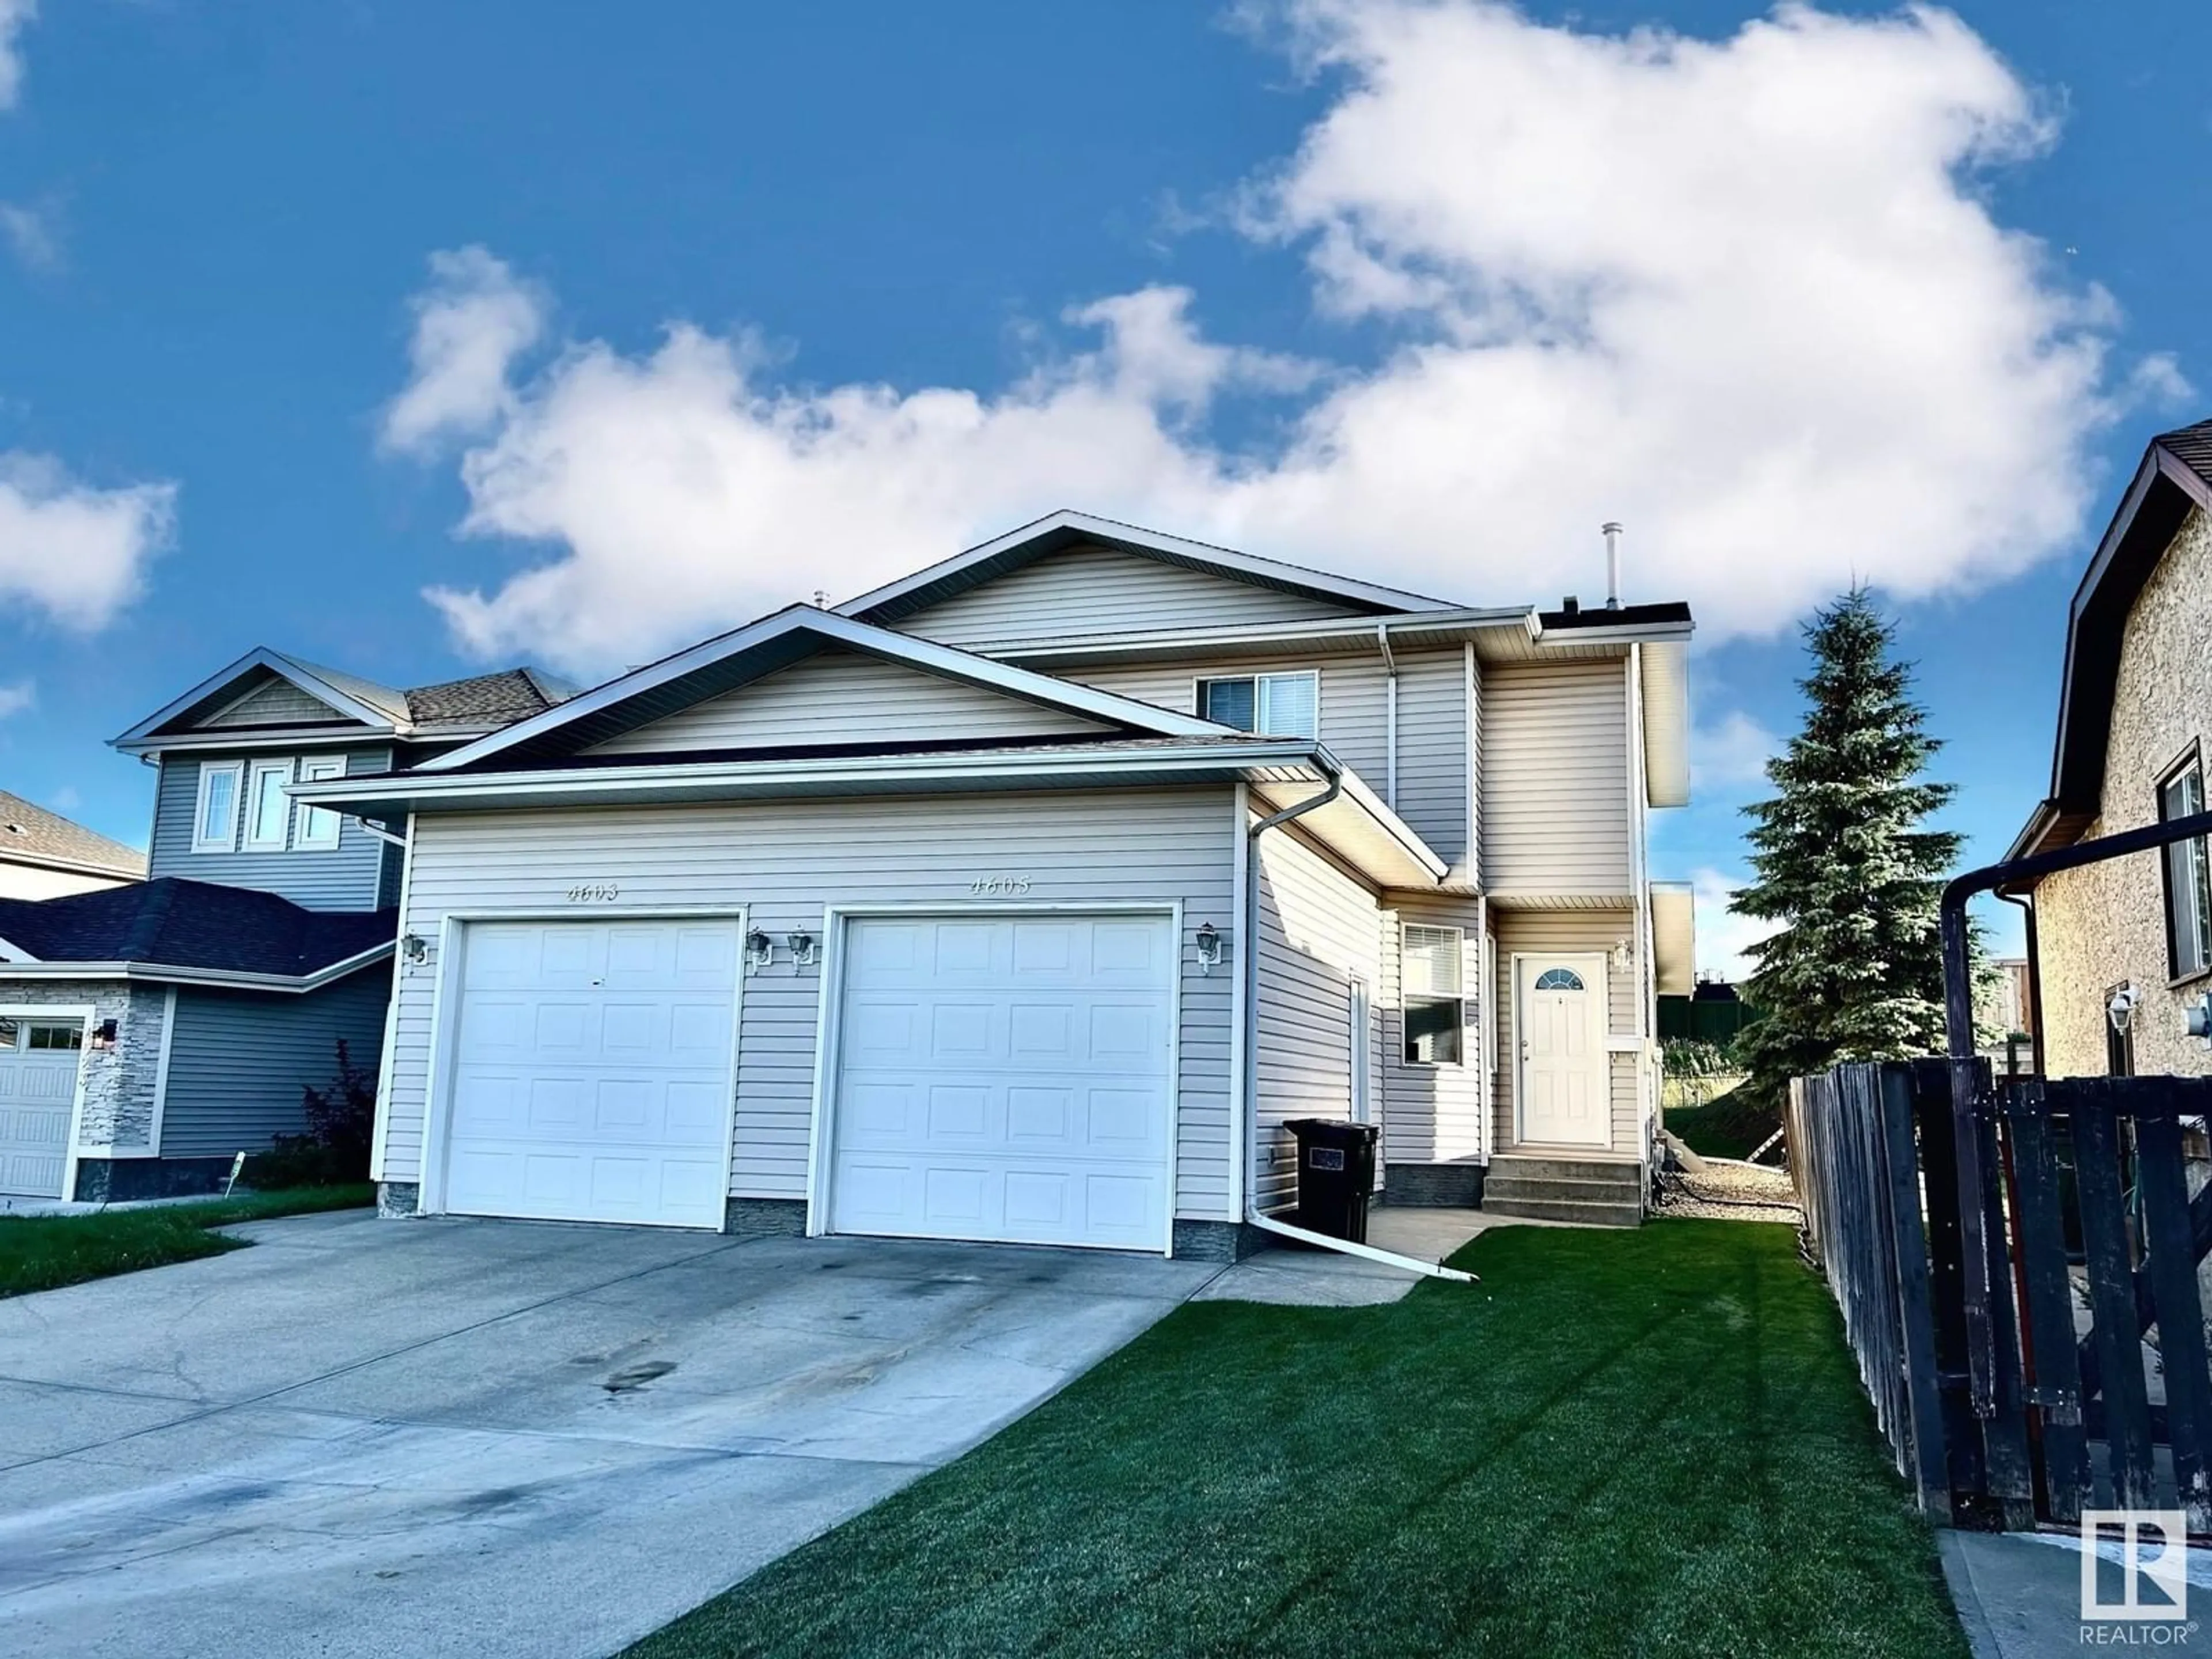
{"x": 1247, "y": 1114}
{"x": 163, "y": 974}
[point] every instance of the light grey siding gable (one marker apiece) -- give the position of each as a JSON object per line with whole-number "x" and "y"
{"x": 1088, "y": 590}
{"x": 843, "y": 698}
{"x": 239, "y": 1060}
{"x": 341, "y": 877}
{"x": 275, "y": 702}
{"x": 1555, "y": 778}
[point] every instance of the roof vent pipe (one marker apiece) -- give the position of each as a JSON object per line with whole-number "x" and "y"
{"x": 1611, "y": 532}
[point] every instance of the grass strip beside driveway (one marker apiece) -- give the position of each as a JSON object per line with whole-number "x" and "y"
{"x": 1649, "y": 1442}
{"x": 44, "y": 1252}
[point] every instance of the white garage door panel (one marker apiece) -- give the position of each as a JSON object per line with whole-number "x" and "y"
{"x": 591, "y": 1071}
{"x": 37, "y": 1091}
{"x": 1006, "y": 1079}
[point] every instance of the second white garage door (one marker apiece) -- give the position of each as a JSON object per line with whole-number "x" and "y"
{"x": 1006, "y": 1078}
{"x": 591, "y": 1071}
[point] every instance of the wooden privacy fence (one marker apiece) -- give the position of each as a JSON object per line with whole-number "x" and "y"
{"x": 2102, "y": 1392}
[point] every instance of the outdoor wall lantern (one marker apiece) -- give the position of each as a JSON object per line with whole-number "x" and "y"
{"x": 413, "y": 947}
{"x": 760, "y": 951}
{"x": 1621, "y": 956}
{"x": 1208, "y": 940}
{"x": 2200, "y": 1018}
{"x": 103, "y": 1034}
{"x": 2121, "y": 1010}
{"x": 802, "y": 950}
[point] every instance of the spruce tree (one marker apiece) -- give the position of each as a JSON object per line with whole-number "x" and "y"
{"x": 1846, "y": 866}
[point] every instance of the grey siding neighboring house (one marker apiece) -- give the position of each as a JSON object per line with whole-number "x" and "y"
{"x": 1103, "y": 590}
{"x": 1318, "y": 931}
{"x": 788, "y": 861}
{"x": 342, "y": 878}
{"x": 239, "y": 1059}
{"x": 1556, "y": 777}
{"x": 840, "y": 696}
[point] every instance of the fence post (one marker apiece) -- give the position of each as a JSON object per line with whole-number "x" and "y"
{"x": 1931, "y": 1468}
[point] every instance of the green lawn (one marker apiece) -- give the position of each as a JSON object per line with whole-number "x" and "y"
{"x": 1645, "y": 1443}
{"x": 39, "y": 1253}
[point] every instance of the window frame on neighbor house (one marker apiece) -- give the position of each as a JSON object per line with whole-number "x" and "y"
{"x": 1202, "y": 700}
{"x": 318, "y": 829}
{"x": 259, "y": 806}
{"x": 2185, "y": 870}
{"x": 210, "y": 771}
{"x": 1448, "y": 945}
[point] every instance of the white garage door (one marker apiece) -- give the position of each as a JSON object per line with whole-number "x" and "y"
{"x": 591, "y": 1071}
{"x": 38, "y": 1089}
{"x": 1006, "y": 1078}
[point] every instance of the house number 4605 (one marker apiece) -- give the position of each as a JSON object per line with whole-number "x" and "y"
{"x": 998, "y": 886}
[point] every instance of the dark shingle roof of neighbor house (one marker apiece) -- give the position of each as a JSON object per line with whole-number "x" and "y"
{"x": 512, "y": 694}
{"x": 32, "y": 835}
{"x": 175, "y": 923}
{"x": 2174, "y": 477}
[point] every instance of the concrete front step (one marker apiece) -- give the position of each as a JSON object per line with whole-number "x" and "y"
{"x": 1588, "y": 1190}
{"x": 1589, "y": 1213}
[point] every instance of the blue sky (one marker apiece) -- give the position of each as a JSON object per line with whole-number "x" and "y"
{"x": 1134, "y": 248}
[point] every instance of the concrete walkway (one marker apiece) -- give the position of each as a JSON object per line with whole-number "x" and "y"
{"x": 2019, "y": 1596}
{"x": 363, "y": 1437}
{"x": 1301, "y": 1278}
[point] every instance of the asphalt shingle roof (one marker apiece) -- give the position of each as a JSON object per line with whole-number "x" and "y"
{"x": 31, "y": 834}
{"x": 2192, "y": 446}
{"x": 175, "y": 923}
{"x": 511, "y": 695}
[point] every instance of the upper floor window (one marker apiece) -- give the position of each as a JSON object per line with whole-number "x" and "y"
{"x": 242, "y": 805}
{"x": 2188, "y": 881}
{"x": 1432, "y": 992}
{"x": 214, "y": 819}
{"x": 1269, "y": 705}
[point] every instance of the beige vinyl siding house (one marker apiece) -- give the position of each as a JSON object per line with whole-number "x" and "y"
{"x": 971, "y": 924}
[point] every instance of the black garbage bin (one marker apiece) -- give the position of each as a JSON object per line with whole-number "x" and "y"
{"x": 1336, "y": 1176}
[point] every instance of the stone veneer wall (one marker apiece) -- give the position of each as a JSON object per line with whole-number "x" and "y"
{"x": 2100, "y": 925}
{"x": 119, "y": 1082}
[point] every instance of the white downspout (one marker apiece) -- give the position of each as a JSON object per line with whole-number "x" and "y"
{"x": 1248, "y": 1090}
{"x": 1390, "y": 715}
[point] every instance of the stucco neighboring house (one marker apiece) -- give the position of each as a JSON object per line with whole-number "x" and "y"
{"x": 1028, "y": 897}
{"x": 44, "y": 855}
{"x": 148, "y": 1033}
{"x": 2135, "y": 713}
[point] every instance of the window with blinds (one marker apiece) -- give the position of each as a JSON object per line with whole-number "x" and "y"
{"x": 1432, "y": 992}
{"x": 1268, "y": 705}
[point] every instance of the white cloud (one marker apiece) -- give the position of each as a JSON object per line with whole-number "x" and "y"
{"x": 76, "y": 552}
{"x": 1722, "y": 935}
{"x": 15, "y": 699}
{"x": 470, "y": 325}
{"x": 1746, "y": 294}
{"x": 31, "y": 235}
{"x": 1734, "y": 752}
{"x": 14, "y": 17}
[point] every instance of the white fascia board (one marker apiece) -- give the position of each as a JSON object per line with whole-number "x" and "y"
{"x": 164, "y": 973}
{"x": 141, "y": 736}
{"x": 421, "y": 790}
{"x": 1398, "y": 829}
{"x": 1618, "y": 634}
{"x": 14, "y": 955}
{"x": 1664, "y": 667}
{"x": 1355, "y": 634}
{"x": 72, "y": 866}
{"x": 1227, "y": 560}
{"x": 865, "y": 637}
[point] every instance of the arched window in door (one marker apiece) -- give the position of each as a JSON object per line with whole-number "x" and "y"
{"x": 1559, "y": 979}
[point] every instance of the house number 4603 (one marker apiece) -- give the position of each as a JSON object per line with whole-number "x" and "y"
{"x": 998, "y": 886}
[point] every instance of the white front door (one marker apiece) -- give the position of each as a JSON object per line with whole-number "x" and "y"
{"x": 38, "y": 1063}
{"x": 591, "y": 1075}
{"x": 1564, "y": 1097}
{"x": 1006, "y": 1078}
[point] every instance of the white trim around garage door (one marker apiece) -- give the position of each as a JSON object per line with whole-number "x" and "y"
{"x": 823, "y": 1122}
{"x": 452, "y": 934}
{"x": 58, "y": 1013}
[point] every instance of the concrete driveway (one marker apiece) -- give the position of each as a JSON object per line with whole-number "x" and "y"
{"x": 496, "y": 1438}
